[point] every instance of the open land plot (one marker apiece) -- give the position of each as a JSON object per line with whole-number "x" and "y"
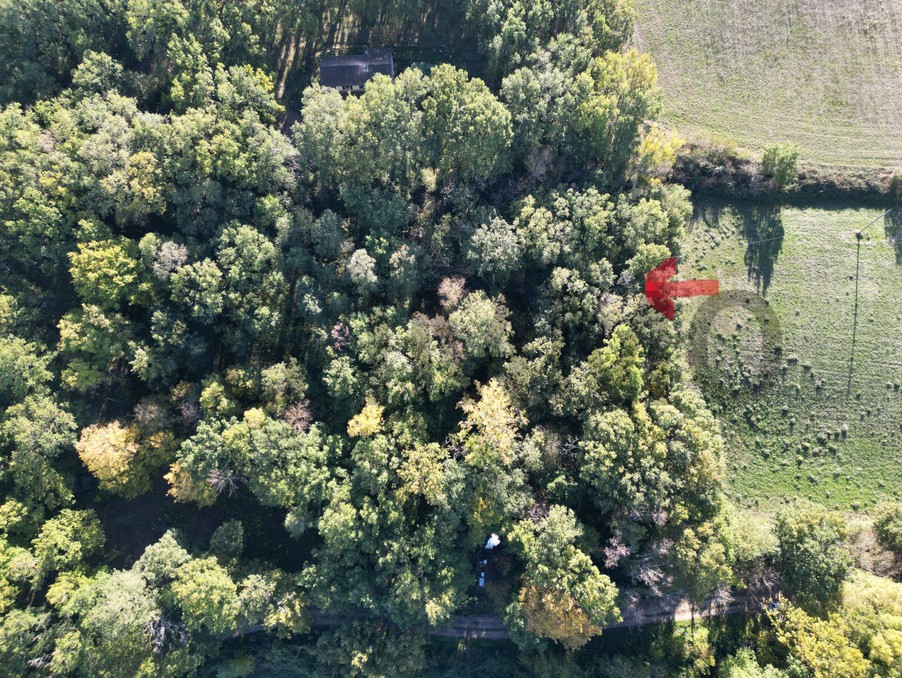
{"x": 825, "y": 74}
{"x": 799, "y": 418}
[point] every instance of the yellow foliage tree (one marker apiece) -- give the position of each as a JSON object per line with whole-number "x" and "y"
{"x": 368, "y": 422}
{"x": 491, "y": 429}
{"x": 655, "y": 155}
{"x": 422, "y": 473}
{"x": 111, "y": 453}
{"x": 184, "y": 488}
{"x": 553, "y": 614}
{"x": 822, "y": 645}
{"x": 872, "y": 608}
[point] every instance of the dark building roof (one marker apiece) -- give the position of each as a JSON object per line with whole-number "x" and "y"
{"x": 353, "y": 70}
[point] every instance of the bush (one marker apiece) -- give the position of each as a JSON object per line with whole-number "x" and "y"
{"x": 811, "y": 556}
{"x": 895, "y": 186}
{"x": 888, "y": 526}
{"x": 781, "y": 163}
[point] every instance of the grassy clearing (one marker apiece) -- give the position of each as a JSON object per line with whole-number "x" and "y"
{"x": 810, "y": 429}
{"x": 826, "y": 74}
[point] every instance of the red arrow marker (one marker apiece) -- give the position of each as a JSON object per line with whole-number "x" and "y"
{"x": 660, "y": 291}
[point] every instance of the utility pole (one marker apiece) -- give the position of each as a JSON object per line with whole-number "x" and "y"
{"x": 859, "y": 235}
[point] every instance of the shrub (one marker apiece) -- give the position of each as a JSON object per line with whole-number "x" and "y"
{"x": 228, "y": 539}
{"x": 888, "y": 526}
{"x": 895, "y": 186}
{"x": 780, "y": 162}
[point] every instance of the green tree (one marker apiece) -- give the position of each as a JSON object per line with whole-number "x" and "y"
{"x": 207, "y": 596}
{"x": 362, "y": 271}
{"x": 743, "y": 664}
{"x": 24, "y": 637}
{"x": 343, "y": 383}
{"x": 703, "y": 560}
{"x": 689, "y": 650}
{"x": 612, "y": 374}
{"x": 382, "y": 134}
{"x": 19, "y": 570}
{"x": 372, "y": 650}
{"x": 160, "y": 560}
{"x": 97, "y": 73}
{"x": 564, "y": 596}
{"x": 482, "y": 324}
{"x": 810, "y": 556}
{"x": 42, "y": 43}
{"x": 615, "y": 97}
{"x": 94, "y": 344}
{"x": 22, "y": 370}
{"x": 468, "y": 129}
{"x": 68, "y": 540}
{"x": 254, "y": 285}
{"x": 198, "y": 288}
{"x": 512, "y": 31}
{"x": 36, "y": 432}
{"x": 114, "y": 617}
{"x": 580, "y": 113}
{"x": 228, "y": 539}
{"x": 38, "y": 221}
{"x": 316, "y": 134}
{"x": 37, "y": 427}
{"x": 494, "y": 251}
{"x": 281, "y": 467}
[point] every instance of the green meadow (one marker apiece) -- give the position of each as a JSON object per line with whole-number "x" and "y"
{"x": 825, "y": 75}
{"x": 801, "y": 413}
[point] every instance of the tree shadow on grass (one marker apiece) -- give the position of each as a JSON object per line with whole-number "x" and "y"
{"x": 708, "y": 212}
{"x": 892, "y": 222}
{"x": 762, "y": 226}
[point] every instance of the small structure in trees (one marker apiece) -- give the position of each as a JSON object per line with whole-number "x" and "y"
{"x": 486, "y": 554}
{"x": 350, "y": 72}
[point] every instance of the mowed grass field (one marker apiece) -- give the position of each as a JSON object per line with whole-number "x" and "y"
{"x": 796, "y": 419}
{"x": 825, "y": 74}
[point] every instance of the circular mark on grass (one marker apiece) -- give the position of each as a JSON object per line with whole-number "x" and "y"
{"x": 708, "y": 371}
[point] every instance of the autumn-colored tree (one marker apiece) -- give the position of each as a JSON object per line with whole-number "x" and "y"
{"x": 556, "y": 615}
{"x": 368, "y": 422}
{"x": 107, "y": 273}
{"x": 184, "y": 487}
{"x": 872, "y": 609}
{"x": 491, "y": 426}
{"x": 571, "y": 599}
{"x": 116, "y": 455}
{"x": 822, "y": 646}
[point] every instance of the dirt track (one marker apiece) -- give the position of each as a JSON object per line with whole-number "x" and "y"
{"x": 490, "y": 627}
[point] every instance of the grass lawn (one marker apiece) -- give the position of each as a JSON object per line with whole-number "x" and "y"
{"x": 796, "y": 418}
{"x": 826, "y": 74}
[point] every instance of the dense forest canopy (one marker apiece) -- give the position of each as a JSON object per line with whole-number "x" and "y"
{"x": 412, "y": 321}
